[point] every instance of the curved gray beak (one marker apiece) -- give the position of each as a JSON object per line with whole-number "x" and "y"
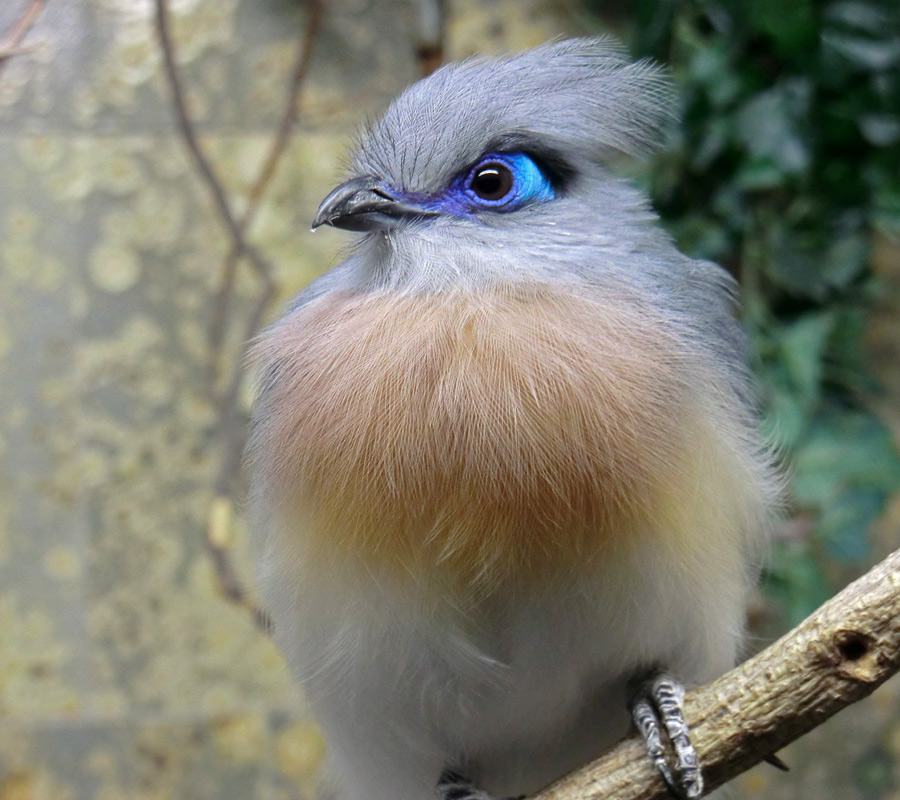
{"x": 362, "y": 204}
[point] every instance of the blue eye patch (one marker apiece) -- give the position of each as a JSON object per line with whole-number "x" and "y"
{"x": 498, "y": 182}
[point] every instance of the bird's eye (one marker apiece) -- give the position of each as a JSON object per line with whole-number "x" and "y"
{"x": 492, "y": 181}
{"x": 501, "y": 182}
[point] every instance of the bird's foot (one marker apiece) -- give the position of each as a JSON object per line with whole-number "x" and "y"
{"x": 452, "y": 785}
{"x": 657, "y": 704}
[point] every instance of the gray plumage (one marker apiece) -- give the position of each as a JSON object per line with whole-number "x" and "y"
{"x": 518, "y": 681}
{"x": 582, "y": 98}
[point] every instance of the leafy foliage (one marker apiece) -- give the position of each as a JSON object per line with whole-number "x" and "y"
{"x": 786, "y": 163}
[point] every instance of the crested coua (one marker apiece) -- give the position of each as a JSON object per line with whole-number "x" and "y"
{"x": 508, "y": 494}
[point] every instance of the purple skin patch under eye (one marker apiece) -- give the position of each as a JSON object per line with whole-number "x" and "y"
{"x": 466, "y": 196}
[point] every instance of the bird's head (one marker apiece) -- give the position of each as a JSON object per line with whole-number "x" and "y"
{"x": 492, "y": 169}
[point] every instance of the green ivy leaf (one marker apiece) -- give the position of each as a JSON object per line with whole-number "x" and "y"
{"x": 794, "y": 579}
{"x": 880, "y": 130}
{"x": 790, "y": 26}
{"x": 845, "y": 451}
{"x": 863, "y": 52}
{"x": 786, "y": 161}
{"x": 769, "y": 127}
{"x": 802, "y": 346}
{"x": 862, "y": 16}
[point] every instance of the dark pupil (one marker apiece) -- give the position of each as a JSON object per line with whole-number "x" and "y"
{"x": 492, "y": 182}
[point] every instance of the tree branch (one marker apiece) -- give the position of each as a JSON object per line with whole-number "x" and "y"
{"x": 277, "y": 148}
{"x": 232, "y": 424}
{"x": 202, "y": 163}
{"x": 837, "y": 656}
{"x": 11, "y": 45}
{"x": 430, "y": 32}
{"x": 229, "y": 581}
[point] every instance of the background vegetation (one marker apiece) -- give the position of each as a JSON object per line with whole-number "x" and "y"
{"x": 786, "y": 169}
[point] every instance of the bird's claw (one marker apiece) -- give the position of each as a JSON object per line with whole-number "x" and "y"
{"x": 453, "y": 785}
{"x": 657, "y": 704}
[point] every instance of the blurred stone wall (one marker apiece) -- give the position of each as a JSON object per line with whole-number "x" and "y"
{"x": 124, "y": 670}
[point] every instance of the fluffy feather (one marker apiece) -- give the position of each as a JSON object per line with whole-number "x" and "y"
{"x": 581, "y": 97}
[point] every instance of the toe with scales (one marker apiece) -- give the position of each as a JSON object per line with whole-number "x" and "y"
{"x": 657, "y": 706}
{"x": 453, "y": 785}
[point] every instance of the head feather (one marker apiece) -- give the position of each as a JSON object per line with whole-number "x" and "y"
{"x": 581, "y": 99}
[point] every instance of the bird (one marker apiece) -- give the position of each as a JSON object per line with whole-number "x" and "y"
{"x": 508, "y": 491}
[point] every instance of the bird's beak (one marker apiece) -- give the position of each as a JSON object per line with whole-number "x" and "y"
{"x": 362, "y": 204}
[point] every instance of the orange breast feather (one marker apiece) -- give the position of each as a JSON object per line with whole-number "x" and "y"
{"x": 472, "y": 437}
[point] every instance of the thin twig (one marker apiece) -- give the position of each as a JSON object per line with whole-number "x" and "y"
{"x": 276, "y": 150}
{"x": 231, "y": 421}
{"x": 229, "y": 581}
{"x": 292, "y": 106}
{"x": 430, "y": 35}
{"x": 9, "y": 52}
{"x": 260, "y": 264}
{"x": 12, "y": 42}
{"x": 24, "y": 23}
{"x": 233, "y": 425}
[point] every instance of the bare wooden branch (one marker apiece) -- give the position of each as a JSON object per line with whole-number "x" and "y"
{"x": 267, "y": 171}
{"x": 204, "y": 166}
{"x": 837, "y": 656}
{"x": 233, "y": 426}
{"x": 231, "y": 422}
{"x": 229, "y": 581}
{"x": 430, "y": 31}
